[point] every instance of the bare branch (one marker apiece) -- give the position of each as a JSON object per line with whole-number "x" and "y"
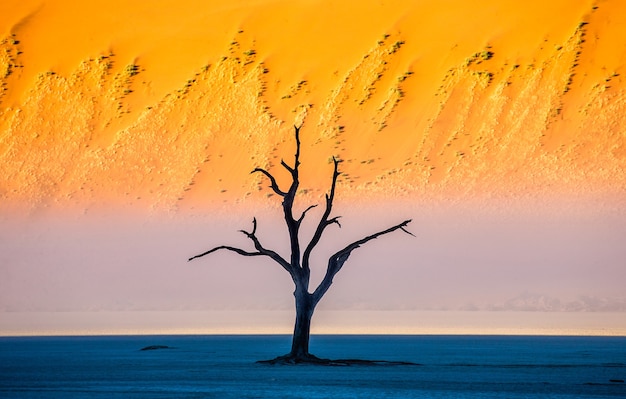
{"x": 406, "y": 231}
{"x": 237, "y": 250}
{"x": 304, "y": 213}
{"x": 261, "y": 251}
{"x": 252, "y": 234}
{"x": 293, "y": 225}
{"x": 297, "y": 157}
{"x": 324, "y": 221}
{"x": 289, "y": 168}
{"x": 296, "y": 163}
{"x": 273, "y": 184}
{"x": 334, "y": 220}
{"x": 336, "y": 261}
{"x": 362, "y": 241}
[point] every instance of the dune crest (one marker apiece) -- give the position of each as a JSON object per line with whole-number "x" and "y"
{"x": 491, "y": 109}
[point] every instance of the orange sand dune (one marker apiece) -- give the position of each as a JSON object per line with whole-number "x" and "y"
{"x": 168, "y": 105}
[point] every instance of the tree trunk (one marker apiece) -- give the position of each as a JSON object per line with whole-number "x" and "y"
{"x": 302, "y": 329}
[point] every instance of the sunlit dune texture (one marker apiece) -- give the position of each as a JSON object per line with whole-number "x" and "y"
{"x": 168, "y": 105}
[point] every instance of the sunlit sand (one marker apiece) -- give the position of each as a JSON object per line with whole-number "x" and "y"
{"x": 147, "y": 105}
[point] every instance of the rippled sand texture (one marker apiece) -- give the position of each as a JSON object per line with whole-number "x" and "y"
{"x": 167, "y": 105}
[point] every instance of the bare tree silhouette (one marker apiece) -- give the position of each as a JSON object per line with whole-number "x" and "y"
{"x": 298, "y": 265}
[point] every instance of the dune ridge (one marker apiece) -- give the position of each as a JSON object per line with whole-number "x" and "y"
{"x": 481, "y": 113}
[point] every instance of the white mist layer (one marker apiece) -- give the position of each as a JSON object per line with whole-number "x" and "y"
{"x": 459, "y": 259}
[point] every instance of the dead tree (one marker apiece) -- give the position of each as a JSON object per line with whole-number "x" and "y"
{"x": 298, "y": 265}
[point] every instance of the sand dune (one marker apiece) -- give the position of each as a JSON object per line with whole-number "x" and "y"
{"x": 167, "y": 106}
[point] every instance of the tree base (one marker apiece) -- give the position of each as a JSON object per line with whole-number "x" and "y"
{"x": 292, "y": 360}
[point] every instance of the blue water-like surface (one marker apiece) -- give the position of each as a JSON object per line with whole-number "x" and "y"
{"x": 224, "y": 367}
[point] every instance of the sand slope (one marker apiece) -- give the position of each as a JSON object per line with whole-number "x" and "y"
{"x": 167, "y": 106}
